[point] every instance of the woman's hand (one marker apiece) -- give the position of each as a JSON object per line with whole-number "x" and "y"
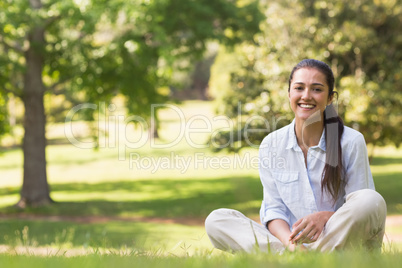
{"x": 309, "y": 228}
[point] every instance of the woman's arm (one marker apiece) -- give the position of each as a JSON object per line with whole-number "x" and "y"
{"x": 272, "y": 206}
{"x": 280, "y": 229}
{"x": 357, "y": 168}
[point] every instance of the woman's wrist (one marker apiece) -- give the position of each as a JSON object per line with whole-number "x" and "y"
{"x": 327, "y": 215}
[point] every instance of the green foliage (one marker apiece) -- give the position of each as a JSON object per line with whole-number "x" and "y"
{"x": 360, "y": 41}
{"x": 95, "y": 49}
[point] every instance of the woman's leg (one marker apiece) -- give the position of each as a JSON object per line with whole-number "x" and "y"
{"x": 230, "y": 230}
{"x": 359, "y": 222}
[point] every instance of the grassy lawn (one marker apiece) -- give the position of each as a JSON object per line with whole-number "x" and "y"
{"x": 147, "y": 238}
{"x": 334, "y": 260}
{"x": 387, "y": 172}
{"x": 122, "y": 183}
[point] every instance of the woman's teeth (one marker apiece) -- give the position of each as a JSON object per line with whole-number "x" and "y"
{"x": 306, "y": 105}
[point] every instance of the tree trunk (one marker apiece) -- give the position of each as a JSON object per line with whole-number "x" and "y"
{"x": 35, "y": 189}
{"x": 153, "y": 129}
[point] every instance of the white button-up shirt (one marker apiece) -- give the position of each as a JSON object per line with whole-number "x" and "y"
{"x": 292, "y": 190}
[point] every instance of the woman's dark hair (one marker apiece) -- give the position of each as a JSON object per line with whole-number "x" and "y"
{"x": 332, "y": 174}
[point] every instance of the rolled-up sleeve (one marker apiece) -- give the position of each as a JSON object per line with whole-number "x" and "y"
{"x": 272, "y": 206}
{"x": 358, "y": 175}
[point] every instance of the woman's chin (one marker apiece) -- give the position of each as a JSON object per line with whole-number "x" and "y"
{"x": 309, "y": 116}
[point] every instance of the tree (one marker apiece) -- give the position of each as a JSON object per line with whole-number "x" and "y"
{"x": 89, "y": 50}
{"x": 359, "y": 40}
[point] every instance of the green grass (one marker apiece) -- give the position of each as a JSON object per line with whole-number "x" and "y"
{"x": 148, "y": 198}
{"x": 145, "y": 237}
{"x": 386, "y": 167}
{"x": 335, "y": 260}
{"x": 88, "y": 183}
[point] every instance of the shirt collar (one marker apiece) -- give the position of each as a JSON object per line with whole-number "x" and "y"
{"x": 292, "y": 141}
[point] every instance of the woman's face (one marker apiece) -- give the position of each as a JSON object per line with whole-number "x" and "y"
{"x": 309, "y": 93}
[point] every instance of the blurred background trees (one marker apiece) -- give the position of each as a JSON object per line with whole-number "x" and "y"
{"x": 360, "y": 40}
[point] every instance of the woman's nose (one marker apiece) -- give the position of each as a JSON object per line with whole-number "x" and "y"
{"x": 306, "y": 94}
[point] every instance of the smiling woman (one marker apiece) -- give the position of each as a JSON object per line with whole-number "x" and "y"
{"x": 323, "y": 197}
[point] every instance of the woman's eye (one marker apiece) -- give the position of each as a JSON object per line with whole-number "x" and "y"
{"x": 298, "y": 88}
{"x": 317, "y": 89}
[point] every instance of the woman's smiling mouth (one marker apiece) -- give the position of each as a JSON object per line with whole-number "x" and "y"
{"x": 306, "y": 106}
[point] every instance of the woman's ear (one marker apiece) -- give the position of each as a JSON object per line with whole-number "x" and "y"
{"x": 331, "y": 97}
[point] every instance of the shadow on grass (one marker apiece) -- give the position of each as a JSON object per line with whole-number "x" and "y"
{"x": 68, "y": 234}
{"x": 170, "y": 198}
{"x": 157, "y": 198}
{"x": 390, "y": 187}
{"x": 383, "y": 161}
{"x": 154, "y": 198}
{"x": 9, "y": 191}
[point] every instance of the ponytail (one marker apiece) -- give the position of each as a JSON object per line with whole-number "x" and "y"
{"x": 332, "y": 175}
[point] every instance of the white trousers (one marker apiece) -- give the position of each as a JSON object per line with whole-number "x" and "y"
{"x": 359, "y": 222}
